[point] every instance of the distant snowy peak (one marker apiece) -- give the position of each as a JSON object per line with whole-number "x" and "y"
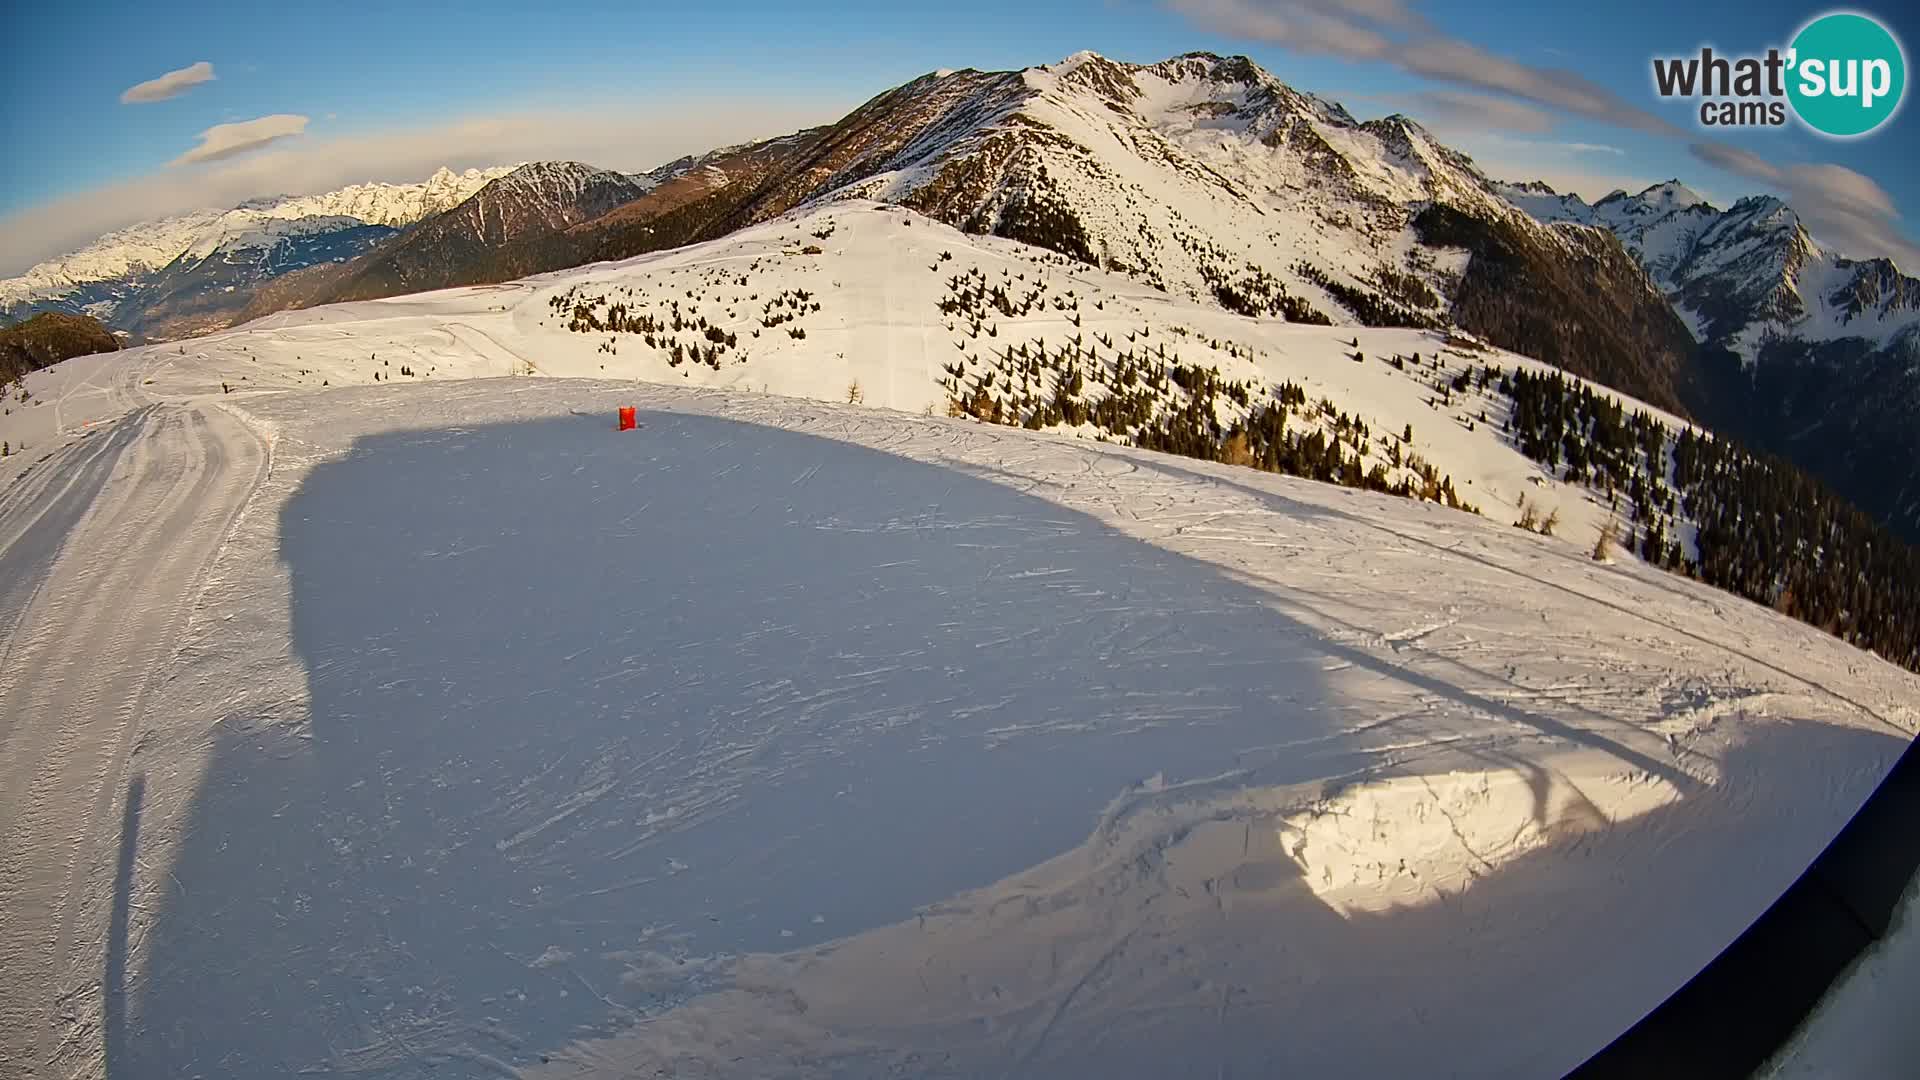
{"x": 493, "y": 235}
{"x": 540, "y": 195}
{"x": 562, "y": 181}
{"x": 1617, "y": 211}
{"x": 1547, "y": 206}
{"x": 149, "y": 245}
{"x": 140, "y": 247}
{"x": 1656, "y": 201}
{"x": 394, "y": 204}
{"x": 1744, "y": 275}
{"x": 1673, "y": 194}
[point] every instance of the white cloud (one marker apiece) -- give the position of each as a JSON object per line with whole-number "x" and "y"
{"x": 223, "y": 141}
{"x": 623, "y": 137}
{"x": 172, "y": 84}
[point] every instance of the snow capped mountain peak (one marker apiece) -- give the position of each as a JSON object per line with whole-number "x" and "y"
{"x": 559, "y": 178}
{"x": 1086, "y": 71}
{"x": 1654, "y": 201}
{"x": 554, "y": 191}
{"x": 1202, "y": 175}
{"x": 137, "y": 248}
{"x": 1238, "y": 81}
{"x": 532, "y": 200}
{"x": 1540, "y": 201}
{"x": 1672, "y": 195}
{"x": 1212, "y": 67}
{"x": 1766, "y": 211}
{"x": 1630, "y": 216}
{"x": 149, "y": 245}
{"x": 1744, "y": 275}
{"x": 1201, "y": 85}
{"x": 1077, "y": 60}
{"x": 1403, "y": 136}
{"x": 1404, "y": 123}
{"x": 539, "y": 171}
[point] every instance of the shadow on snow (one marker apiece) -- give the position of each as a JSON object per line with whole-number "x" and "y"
{"x": 711, "y": 687}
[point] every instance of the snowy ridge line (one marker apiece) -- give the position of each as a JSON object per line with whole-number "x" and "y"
{"x": 149, "y": 245}
{"x": 1746, "y": 274}
{"x": 729, "y": 313}
{"x": 1728, "y": 1020}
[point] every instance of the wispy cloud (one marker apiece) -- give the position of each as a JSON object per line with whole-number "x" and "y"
{"x": 1575, "y": 167}
{"x": 1387, "y": 31}
{"x": 1440, "y": 107}
{"x": 1841, "y": 207}
{"x": 222, "y": 141}
{"x": 618, "y": 137}
{"x": 172, "y": 84}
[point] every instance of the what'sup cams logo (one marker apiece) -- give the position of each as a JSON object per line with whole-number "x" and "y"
{"x": 1844, "y": 75}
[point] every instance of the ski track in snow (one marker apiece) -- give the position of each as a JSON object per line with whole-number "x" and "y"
{"x": 91, "y": 625}
{"x": 452, "y": 733}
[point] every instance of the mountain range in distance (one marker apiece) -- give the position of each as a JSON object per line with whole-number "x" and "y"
{"x": 1200, "y": 176}
{"x": 1802, "y": 351}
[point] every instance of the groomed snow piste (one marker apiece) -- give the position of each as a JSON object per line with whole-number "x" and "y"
{"x": 433, "y": 726}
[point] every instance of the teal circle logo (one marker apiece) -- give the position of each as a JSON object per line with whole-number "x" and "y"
{"x": 1848, "y": 74}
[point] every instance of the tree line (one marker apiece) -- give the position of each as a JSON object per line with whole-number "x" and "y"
{"x": 1707, "y": 507}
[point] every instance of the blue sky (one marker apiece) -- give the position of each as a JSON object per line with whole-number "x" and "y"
{"x": 385, "y": 90}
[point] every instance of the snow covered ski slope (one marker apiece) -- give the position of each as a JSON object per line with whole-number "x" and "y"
{"x": 104, "y": 551}
{"x": 449, "y": 731}
{"x": 861, "y": 299}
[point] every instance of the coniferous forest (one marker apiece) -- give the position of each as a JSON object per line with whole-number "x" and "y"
{"x": 1703, "y": 506}
{"x": 1711, "y": 509}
